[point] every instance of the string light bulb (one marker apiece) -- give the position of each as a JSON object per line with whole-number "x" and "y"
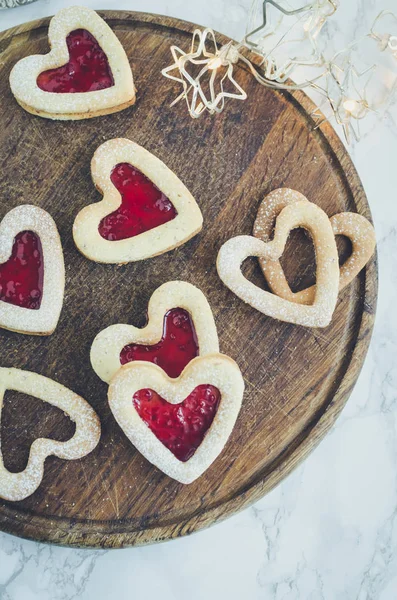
{"x": 215, "y": 63}
{"x": 388, "y": 40}
{"x": 393, "y": 44}
{"x": 350, "y": 105}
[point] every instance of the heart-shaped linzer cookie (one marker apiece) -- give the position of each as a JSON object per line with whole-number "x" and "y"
{"x": 17, "y": 486}
{"x": 351, "y": 225}
{"x": 300, "y": 214}
{"x": 86, "y": 74}
{"x": 180, "y": 327}
{"x": 145, "y": 211}
{"x": 180, "y": 425}
{"x": 32, "y": 271}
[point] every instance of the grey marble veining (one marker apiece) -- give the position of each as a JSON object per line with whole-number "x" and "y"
{"x": 13, "y": 3}
{"x": 329, "y": 531}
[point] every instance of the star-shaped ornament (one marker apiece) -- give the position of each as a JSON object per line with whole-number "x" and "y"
{"x": 345, "y": 91}
{"x": 281, "y": 48}
{"x": 204, "y": 74}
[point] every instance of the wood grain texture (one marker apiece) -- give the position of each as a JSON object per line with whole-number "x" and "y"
{"x": 297, "y": 380}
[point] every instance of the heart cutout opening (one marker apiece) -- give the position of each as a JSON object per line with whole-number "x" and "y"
{"x": 251, "y": 270}
{"x": 345, "y": 248}
{"x": 299, "y": 260}
{"x": 20, "y": 427}
{"x": 233, "y": 253}
{"x": 354, "y": 249}
{"x": 180, "y": 427}
{"x": 177, "y": 347}
{"x": 143, "y": 205}
{"x": 88, "y": 69}
{"x": 302, "y": 289}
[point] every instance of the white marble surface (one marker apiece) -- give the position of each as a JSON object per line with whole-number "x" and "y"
{"x": 328, "y": 532}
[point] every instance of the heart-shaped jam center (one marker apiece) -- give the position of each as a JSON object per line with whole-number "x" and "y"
{"x": 20, "y": 427}
{"x": 177, "y": 347}
{"x": 143, "y": 205}
{"x": 21, "y": 277}
{"x": 88, "y": 68}
{"x": 180, "y": 427}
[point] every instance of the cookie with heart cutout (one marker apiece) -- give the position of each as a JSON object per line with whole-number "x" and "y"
{"x": 180, "y": 327}
{"x": 355, "y": 227}
{"x": 86, "y": 74}
{"x": 300, "y": 214}
{"x": 18, "y": 486}
{"x": 180, "y": 425}
{"x": 32, "y": 271}
{"x": 146, "y": 210}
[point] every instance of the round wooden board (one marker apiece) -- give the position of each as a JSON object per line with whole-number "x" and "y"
{"x": 297, "y": 379}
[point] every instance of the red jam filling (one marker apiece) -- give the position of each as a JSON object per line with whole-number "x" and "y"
{"x": 88, "y": 68}
{"x": 174, "y": 351}
{"x": 180, "y": 427}
{"x": 21, "y": 277}
{"x": 143, "y": 205}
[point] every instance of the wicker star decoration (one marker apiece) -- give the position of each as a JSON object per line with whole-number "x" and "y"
{"x": 203, "y": 74}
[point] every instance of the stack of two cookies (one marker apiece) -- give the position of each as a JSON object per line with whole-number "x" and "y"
{"x": 174, "y": 395}
{"x": 279, "y": 213}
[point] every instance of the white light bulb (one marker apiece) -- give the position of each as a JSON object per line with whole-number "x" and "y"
{"x": 393, "y": 43}
{"x": 350, "y": 105}
{"x": 215, "y": 63}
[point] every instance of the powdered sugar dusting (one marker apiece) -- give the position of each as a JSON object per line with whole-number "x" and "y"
{"x": 214, "y": 369}
{"x": 44, "y": 320}
{"x": 106, "y": 348}
{"x": 299, "y": 214}
{"x": 17, "y": 486}
{"x": 80, "y": 105}
{"x": 355, "y": 227}
{"x": 270, "y": 208}
{"x": 361, "y": 233}
{"x": 187, "y": 223}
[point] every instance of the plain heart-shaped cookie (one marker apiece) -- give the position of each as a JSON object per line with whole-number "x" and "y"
{"x": 86, "y": 74}
{"x": 300, "y": 214}
{"x": 17, "y": 486}
{"x": 180, "y": 327}
{"x": 145, "y": 211}
{"x": 208, "y": 395}
{"x": 351, "y": 225}
{"x": 32, "y": 271}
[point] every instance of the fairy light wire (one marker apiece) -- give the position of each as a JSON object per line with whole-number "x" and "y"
{"x": 339, "y": 84}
